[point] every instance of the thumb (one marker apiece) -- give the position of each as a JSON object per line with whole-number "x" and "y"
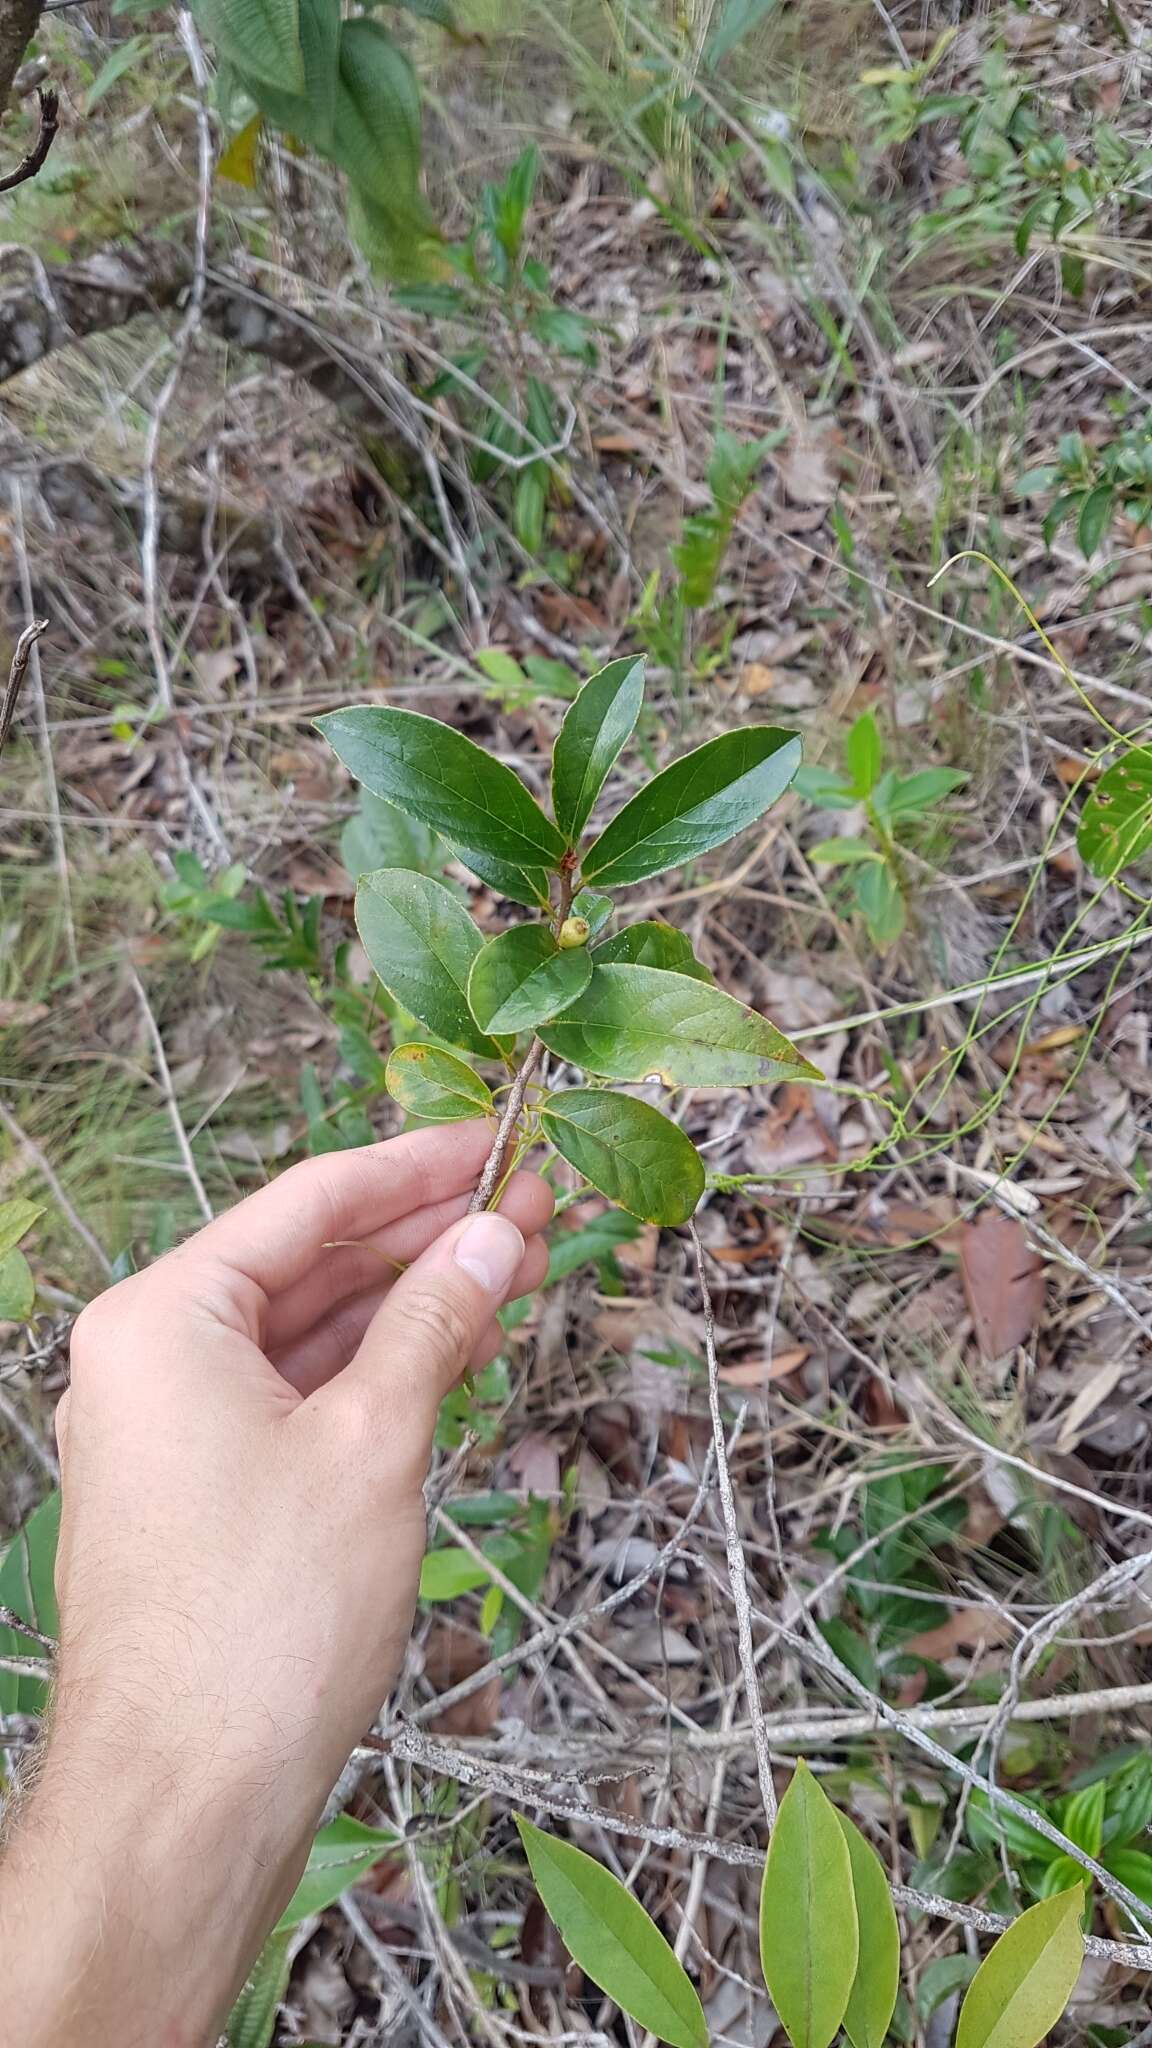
{"x": 419, "y": 1342}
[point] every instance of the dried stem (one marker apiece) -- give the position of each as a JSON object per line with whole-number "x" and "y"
{"x": 34, "y": 161}
{"x": 505, "y": 1129}
{"x": 16, "y": 675}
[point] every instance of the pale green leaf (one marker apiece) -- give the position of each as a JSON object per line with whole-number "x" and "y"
{"x": 434, "y": 773}
{"x": 632, "y": 1022}
{"x": 17, "y": 1288}
{"x": 842, "y": 853}
{"x": 428, "y": 1082}
{"x": 16, "y": 1219}
{"x": 340, "y": 1854}
{"x": 863, "y": 754}
{"x": 421, "y": 942}
{"x": 1116, "y": 823}
{"x": 872, "y": 1999}
{"x": 253, "y": 2017}
{"x": 260, "y": 37}
{"x": 628, "y": 1150}
{"x": 595, "y": 728}
{"x": 1027, "y": 1977}
{"x": 809, "y": 1942}
{"x": 880, "y": 902}
{"x": 593, "y": 908}
{"x": 122, "y": 59}
{"x": 1082, "y": 1817}
{"x": 445, "y": 1574}
{"x": 1092, "y": 520}
{"x": 522, "y": 978}
{"x": 699, "y": 802}
{"x": 607, "y": 1932}
{"x": 28, "y": 1587}
{"x": 652, "y": 944}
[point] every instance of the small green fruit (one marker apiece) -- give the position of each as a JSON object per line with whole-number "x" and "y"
{"x": 574, "y": 931}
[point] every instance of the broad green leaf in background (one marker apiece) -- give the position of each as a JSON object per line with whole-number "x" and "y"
{"x": 522, "y": 978}
{"x": 380, "y": 836}
{"x": 809, "y": 1942}
{"x": 635, "y": 1021}
{"x": 594, "y": 908}
{"x": 700, "y": 801}
{"x": 873, "y": 1997}
{"x": 652, "y": 944}
{"x": 1027, "y": 1977}
{"x": 27, "y": 1586}
{"x": 445, "y": 1574}
{"x": 989, "y": 1826}
{"x": 863, "y": 754}
{"x": 1093, "y": 517}
{"x": 880, "y": 902}
{"x": 376, "y": 137}
{"x": 16, "y": 1220}
{"x": 629, "y": 1151}
{"x": 434, "y": 1084}
{"x": 843, "y": 853}
{"x": 403, "y": 245}
{"x": 1057, "y": 1876}
{"x": 260, "y": 37}
{"x": 439, "y": 11}
{"x": 309, "y": 115}
{"x": 434, "y": 773}
{"x": 122, "y": 59}
{"x": 17, "y": 1289}
{"x": 1082, "y": 1817}
{"x": 595, "y": 728}
{"x": 1134, "y": 1868}
{"x": 253, "y": 2017}
{"x": 522, "y": 884}
{"x": 1116, "y": 823}
{"x": 609, "y": 1934}
{"x": 339, "y": 1855}
{"x": 421, "y": 942}
{"x": 940, "y": 1979}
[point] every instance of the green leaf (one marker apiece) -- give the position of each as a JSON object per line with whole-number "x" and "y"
{"x": 1082, "y": 1817}
{"x": 635, "y": 1021}
{"x": 808, "y": 1932}
{"x": 881, "y": 903}
{"x": 253, "y": 2017}
{"x": 1116, "y": 823}
{"x": 380, "y": 836}
{"x": 843, "y": 853}
{"x": 1093, "y": 517}
{"x": 17, "y": 1289}
{"x": 445, "y": 1574}
{"x": 27, "y": 1585}
{"x": 16, "y": 1219}
{"x": 522, "y": 978}
{"x": 309, "y": 115}
{"x": 1035, "y": 481}
{"x": 402, "y": 244}
{"x": 260, "y": 37}
{"x": 652, "y": 944}
{"x": 438, "y": 11}
{"x": 421, "y": 942}
{"x": 123, "y": 57}
{"x": 433, "y": 773}
{"x": 1134, "y": 1869}
{"x": 863, "y": 754}
{"x": 434, "y": 1084}
{"x": 377, "y": 127}
{"x": 595, "y": 729}
{"x": 609, "y": 1934}
{"x": 873, "y": 1997}
{"x": 699, "y": 802}
{"x": 989, "y": 1826}
{"x": 529, "y": 506}
{"x": 1027, "y": 1977}
{"x": 593, "y": 908}
{"x": 339, "y": 1855}
{"x": 939, "y": 1979}
{"x": 912, "y": 793}
{"x": 1057, "y": 1876}
{"x": 521, "y": 885}
{"x": 628, "y": 1151}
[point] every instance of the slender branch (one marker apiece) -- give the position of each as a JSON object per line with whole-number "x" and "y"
{"x": 16, "y": 675}
{"x": 16, "y": 1622}
{"x": 34, "y": 161}
{"x": 737, "y": 1571}
{"x": 494, "y": 1164}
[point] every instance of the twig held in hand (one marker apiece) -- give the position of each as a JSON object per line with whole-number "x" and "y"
{"x": 494, "y": 1165}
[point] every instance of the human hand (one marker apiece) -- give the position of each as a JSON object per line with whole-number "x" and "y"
{"x": 243, "y": 1450}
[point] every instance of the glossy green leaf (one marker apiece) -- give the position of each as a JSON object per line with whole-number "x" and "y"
{"x": 252, "y": 2020}
{"x": 700, "y": 801}
{"x": 421, "y": 942}
{"x": 380, "y": 836}
{"x": 652, "y": 944}
{"x": 27, "y": 1586}
{"x": 260, "y": 37}
{"x": 1082, "y": 1817}
{"x": 990, "y": 1826}
{"x": 434, "y": 773}
{"x": 522, "y": 978}
{"x": 1093, "y": 517}
{"x": 309, "y": 115}
{"x": 16, "y": 1219}
{"x": 1134, "y": 1868}
{"x": 607, "y": 1932}
{"x": 594, "y": 908}
{"x": 1057, "y": 1876}
{"x": 340, "y": 1854}
{"x": 1027, "y": 1977}
{"x": 635, "y": 1021}
{"x": 863, "y": 754}
{"x": 872, "y": 2000}
{"x": 428, "y": 1082}
{"x": 1116, "y": 823}
{"x": 17, "y": 1288}
{"x": 595, "y": 728}
{"x": 445, "y": 1574}
{"x": 628, "y": 1150}
{"x": 808, "y": 1931}
{"x": 520, "y": 884}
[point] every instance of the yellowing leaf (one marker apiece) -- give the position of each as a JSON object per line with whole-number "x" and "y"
{"x": 238, "y": 161}
{"x": 16, "y": 1220}
{"x": 1027, "y": 1977}
{"x": 428, "y": 1082}
{"x": 808, "y": 1929}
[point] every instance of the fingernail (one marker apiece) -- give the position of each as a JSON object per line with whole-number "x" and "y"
{"x": 490, "y": 1248}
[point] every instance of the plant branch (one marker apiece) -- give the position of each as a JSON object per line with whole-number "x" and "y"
{"x": 34, "y": 161}
{"x": 509, "y": 1117}
{"x": 16, "y": 675}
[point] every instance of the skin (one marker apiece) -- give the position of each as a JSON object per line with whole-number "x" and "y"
{"x": 243, "y": 1449}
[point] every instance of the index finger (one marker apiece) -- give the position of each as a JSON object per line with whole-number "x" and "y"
{"x": 273, "y": 1236}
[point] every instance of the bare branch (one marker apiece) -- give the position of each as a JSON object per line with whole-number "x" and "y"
{"x": 17, "y": 673}
{"x": 37, "y": 155}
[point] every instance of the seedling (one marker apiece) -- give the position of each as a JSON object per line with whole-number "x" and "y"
{"x": 1093, "y": 484}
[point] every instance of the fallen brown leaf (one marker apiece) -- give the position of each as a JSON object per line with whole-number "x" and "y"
{"x": 967, "y": 1628}
{"x": 753, "y": 1372}
{"x": 1003, "y": 1282}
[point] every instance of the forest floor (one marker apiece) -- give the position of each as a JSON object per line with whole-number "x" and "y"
{"x": 930, "y": 1277}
